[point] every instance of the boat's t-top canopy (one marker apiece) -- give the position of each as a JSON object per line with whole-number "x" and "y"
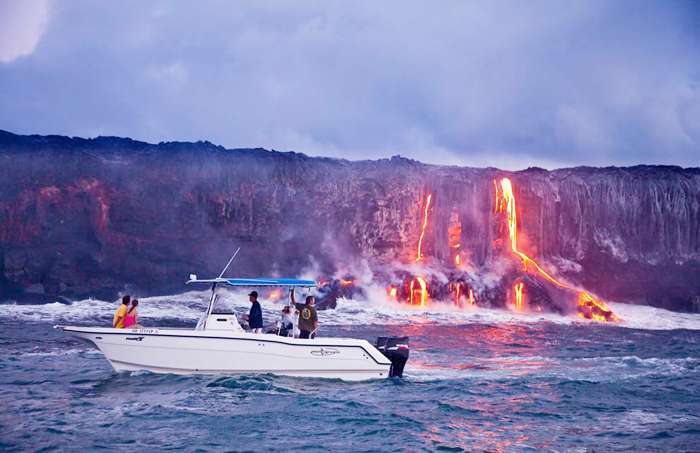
{"x": 260, "y": 282}
{"x": 243, "y": 282}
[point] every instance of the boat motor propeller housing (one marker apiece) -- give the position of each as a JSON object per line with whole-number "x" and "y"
{"x": 396, "y": 350}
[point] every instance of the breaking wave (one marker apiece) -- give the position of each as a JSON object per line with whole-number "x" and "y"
{"x": 188, "y": 308}
{"x": 367, "y": 312}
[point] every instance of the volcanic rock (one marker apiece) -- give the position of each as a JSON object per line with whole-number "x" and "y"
{"x": 92, "y": 217}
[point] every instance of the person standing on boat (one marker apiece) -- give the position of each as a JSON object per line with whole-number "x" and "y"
{"x": 255, "y": 318}
{"x": 308, "y": 318}
{"x": 120, "y": 314}
{"x": 295, "y": 317}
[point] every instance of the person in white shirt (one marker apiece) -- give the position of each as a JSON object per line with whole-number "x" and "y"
{"x": 287, "y": 322}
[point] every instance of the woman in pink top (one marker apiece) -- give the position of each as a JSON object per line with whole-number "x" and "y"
{"x": 131, "y": 316}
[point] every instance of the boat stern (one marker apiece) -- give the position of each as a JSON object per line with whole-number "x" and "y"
{"x": 396, "y": 350}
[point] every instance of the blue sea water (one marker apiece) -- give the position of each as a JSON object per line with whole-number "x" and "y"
{"x": 471, "y": 385}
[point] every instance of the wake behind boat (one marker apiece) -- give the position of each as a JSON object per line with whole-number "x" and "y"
{"x": 219, "y": 345}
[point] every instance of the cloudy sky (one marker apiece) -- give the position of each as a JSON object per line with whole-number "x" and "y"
{"x": 505, "y": 84}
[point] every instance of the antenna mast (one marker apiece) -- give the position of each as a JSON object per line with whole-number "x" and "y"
{"x": 229, "y": 262}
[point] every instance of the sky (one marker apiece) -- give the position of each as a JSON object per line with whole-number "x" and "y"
{"x": 507, "y": 84}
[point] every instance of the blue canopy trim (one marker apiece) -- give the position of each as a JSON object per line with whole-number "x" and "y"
{"x": 270, "y": 282}
{"x": 286, "y": 282}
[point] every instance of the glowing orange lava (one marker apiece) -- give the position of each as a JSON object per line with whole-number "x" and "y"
{"x": 588, "y": 305}
{"x": 419, "y": 253}
{"x": 422, "y": 285}
{"x": 454, "y": 238}
{"x": 591, "y": 308}
{"x": 423, "y": 290}
{"x": 344, "y": 282}
{"x": 518, "y": 290}
{"x": 472, "y": 300}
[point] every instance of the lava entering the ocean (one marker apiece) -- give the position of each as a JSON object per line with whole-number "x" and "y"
{"x": 417, "y": 287}
{"x": 588, "y": 306}
{"x": 460, "y": 281}
{"x": 518, "y": 290}
{"x": 393, "y": 292}
{"x": 422, "y": 289}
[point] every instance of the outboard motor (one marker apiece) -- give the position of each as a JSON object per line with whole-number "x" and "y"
{"x": 396, "y": 350}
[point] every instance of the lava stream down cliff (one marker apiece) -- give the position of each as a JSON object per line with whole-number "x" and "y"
{"x": 529, "y": 287}
{"x": 588, "y": 306}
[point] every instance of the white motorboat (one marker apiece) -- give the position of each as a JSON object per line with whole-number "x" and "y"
{"x": 219, "y": 345}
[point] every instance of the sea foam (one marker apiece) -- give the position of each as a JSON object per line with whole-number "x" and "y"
{"x": 189, "y": 306}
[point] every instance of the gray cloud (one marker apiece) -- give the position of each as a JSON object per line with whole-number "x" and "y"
{"x": 21, "y": 26}
{"x": 506, "y": 84}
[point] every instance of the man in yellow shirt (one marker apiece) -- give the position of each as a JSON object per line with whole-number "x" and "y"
{"x": 118, "y": 321}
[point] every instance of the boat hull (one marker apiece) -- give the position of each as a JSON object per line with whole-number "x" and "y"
{"x": 178, "y": 351}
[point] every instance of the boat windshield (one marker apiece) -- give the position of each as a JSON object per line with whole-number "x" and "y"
{"x": 223, "y": 304}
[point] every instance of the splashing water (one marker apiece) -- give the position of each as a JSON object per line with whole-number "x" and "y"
{"x": 186, "y": 308}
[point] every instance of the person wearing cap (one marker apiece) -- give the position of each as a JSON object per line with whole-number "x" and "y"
{"x": 255, "y": 318}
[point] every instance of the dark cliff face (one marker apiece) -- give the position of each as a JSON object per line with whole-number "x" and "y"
{"x": 92, "y": 217}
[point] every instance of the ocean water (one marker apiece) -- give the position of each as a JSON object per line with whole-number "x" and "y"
{"x": 477, "y": 380}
